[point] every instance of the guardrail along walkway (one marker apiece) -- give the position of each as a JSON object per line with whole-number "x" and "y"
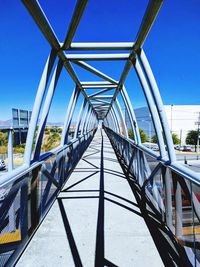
{"x": 96, "y": 220}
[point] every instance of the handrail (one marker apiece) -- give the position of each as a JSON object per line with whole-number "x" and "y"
{"x": 188, "y": 174}
{"x": 9, "y": 177}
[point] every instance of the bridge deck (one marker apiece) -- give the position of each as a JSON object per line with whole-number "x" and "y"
{"x": 95, "y": 220}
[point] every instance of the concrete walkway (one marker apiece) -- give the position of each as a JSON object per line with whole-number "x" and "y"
{"x": 95, "y": 221}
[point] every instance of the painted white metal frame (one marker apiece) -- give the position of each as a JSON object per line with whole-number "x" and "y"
{"x": 132, "y": 53}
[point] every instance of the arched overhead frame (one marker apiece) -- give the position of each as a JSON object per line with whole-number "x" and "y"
{"x": 98, "y": 105}
{"x": 105, "y": 102}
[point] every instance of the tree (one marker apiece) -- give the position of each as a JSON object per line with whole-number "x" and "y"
{"x": 131, "y": 134}
{"x": 143, "y": 136}
{"x": 154, "y": 139}
{"x": 175, "y": 139}
{"x": 191, "y": 138}
{"x": 3, "y": 138}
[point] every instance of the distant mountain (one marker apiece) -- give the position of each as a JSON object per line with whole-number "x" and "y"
{"x": 58, "y": 124}
{"x": 6, "y": 123}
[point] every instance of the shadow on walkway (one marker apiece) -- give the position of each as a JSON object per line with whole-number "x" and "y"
{"x": 169, "y": 249}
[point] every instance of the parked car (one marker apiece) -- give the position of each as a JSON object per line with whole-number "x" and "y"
{"x": 2, "y": 165}
{"x": 184, "y": 148}
{"x": 187, "y": 149}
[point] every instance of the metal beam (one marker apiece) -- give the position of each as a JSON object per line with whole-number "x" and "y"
{"x": 147, "y": 22}
{"x": 69, "y": 114}
{"x": 98, "y": 86}
{"x": 95, "y": 71}
{"x": 37, "y": 13}
{"x": 132, "y": 117}
{"x": 101, "y": 109}
{"x": 121, "y": 117}
{"x": 97, "y": 83}
{"x": 101, "y": 97}
{"x": 37, "y": 106}
{"x": 100, "y": 101}
{"x": 100, "y": 92}
{"x": 152, "y": 107}
{"x": 74, "y": 57}
{"x": 39, "y": 17}
{"x": 159, "y": 105}
{"x": 102, "y": 105}
{"x": 102, "y": 46}
{"x": 45, "y": 111}
{"x": 124, "y": 74}
{"x": 78, "y": 12}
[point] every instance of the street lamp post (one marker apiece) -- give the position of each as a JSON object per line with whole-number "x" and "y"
{"x": 171, "y": 117}
{"x": 198, "y": 123}
{"x": 198, "y": 139}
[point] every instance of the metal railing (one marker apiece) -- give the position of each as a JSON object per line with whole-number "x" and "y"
{"x": 25, "y": 201}
{"x": 174, "y": 198}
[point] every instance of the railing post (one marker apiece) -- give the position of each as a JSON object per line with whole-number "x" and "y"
{"x": 168, "y": 199}
{"x": 178, "y": 212}
{"x": 10, "y": 151}
{"x": 11, "y": 212}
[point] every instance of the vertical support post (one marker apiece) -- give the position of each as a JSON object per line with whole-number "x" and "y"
{"x": 68, "y": 116}
{"x": 159, "y": 104}
{"x": 152, "y": 107}
{"x": 46, "y": 108}
{"x": 88, "y": 121}
{"x": 91, "y": 120}
{"x": 116, "y": 119}
{"x": 79, "y": 119}
{"x": 37, "y": 106}
{"x": 106, "y": 122}
{"x": 85, "y": 119}
{"x": 112, "y": 122}
{"x": 121, "y": 117}
{"x": 132, "y": 116}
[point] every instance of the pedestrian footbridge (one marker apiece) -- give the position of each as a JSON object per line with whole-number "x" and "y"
{"x": 101, "y": 197}
{"x": 95, "y": 219}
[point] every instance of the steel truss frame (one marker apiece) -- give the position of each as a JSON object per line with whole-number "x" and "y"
{"x": 98, "y": 106}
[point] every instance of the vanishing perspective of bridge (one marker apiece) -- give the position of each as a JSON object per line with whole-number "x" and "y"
{"x": 100, "y": 198}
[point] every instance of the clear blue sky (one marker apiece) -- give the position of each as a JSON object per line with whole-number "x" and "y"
{"x": 172, "y": 48}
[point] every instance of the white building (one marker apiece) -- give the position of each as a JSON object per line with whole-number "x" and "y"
{"x": 182, "y": 118}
